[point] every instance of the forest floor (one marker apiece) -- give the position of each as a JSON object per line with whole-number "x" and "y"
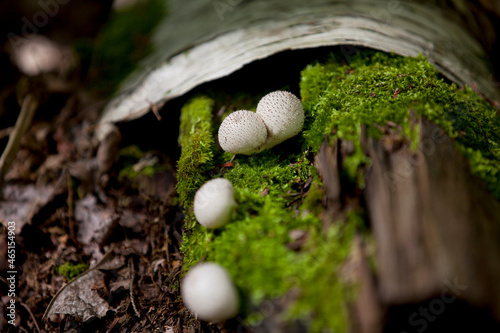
{"x": 94, "y": 237}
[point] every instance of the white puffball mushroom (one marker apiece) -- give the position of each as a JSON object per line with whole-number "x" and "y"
{"x": 209, "y": 293}
{"x": 214, "y": 203}
{"x": 37, "y": 55}
{"x": 242, "y": 132}
{"x": 283, "y": 114}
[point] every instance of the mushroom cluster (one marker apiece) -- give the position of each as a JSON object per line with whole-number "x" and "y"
{"x": 279, "y": 116}
{"x": 207, "y": 289}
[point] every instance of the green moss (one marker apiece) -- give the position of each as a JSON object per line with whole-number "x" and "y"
{"x": 128, "y": 157}
{"x": 326, "y": 296}
{"x": 311, "y": 204}
{"x": 278, "y": 191}
{"x": 122, "y": 43}
{"x": 265, "y": 189}
{"x": 131, "y": 152}
{"x": 377, "y": 88}
{"x": 70, "y": 271}
{"x": 270, "y": 189}
{"x": 237, "y": 101}
{"x": 197, "y": 141}
{"x": 130, "y": 173}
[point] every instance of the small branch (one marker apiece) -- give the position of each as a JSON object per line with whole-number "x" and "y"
{"x": 71, "y": 209}
{"x": 5, "y": 132}
{"x": 131, "y": 269}
{"x": 28, "y": 108}
{"x": 32, "y": 316}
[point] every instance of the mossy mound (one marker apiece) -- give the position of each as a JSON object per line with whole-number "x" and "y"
{"x": 279, "y": 193}
{"x": 272, "y": 192}
{"x": 128, "y": 157}
{"x": 376, "y": 88}
{"x": 70, "y": 271}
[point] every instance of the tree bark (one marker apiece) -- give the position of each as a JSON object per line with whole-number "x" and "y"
{"x": 436, "y": 229}
{"x": 434, "y": 222}
{"x": 200, "y": 42}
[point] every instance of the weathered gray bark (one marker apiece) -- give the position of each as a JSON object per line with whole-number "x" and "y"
{"x": 200, "y": 42}
{"x": 435, "y": 224}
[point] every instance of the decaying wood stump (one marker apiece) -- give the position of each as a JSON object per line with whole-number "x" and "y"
{"x": 433, "y": 220}
{"x": 437, "y": 227}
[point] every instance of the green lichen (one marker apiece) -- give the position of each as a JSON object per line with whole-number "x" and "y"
{"x": 374, "y": 88}
{"x": 70, "y": 271}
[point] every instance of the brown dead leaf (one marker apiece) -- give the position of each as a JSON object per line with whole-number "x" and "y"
{"x": 53, "y": 163}
{"x": 84, "y": 170}
{"x": 20, "y": 170}
{"x": 133, "y": 220}
{"x": 95, "y": 222}
{"x": 160, "y": 186}
{"x": 21, "y": 202}
{"x": 79, "y": 298}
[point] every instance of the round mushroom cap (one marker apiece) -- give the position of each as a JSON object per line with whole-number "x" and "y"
{"x": 242, "y": 132}
{"x": 209, "y": 293}
{"x": 214, "y": 203}
{"x": 283, "y": 114}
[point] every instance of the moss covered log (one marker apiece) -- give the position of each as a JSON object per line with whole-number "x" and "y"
{"x": 377, "y": 89}
{"x": 276, "y": 243}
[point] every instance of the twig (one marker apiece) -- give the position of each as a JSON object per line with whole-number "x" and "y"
{"x": 28, "y": 108}
{"x": 156, "y": 112}
{"x": 32, "y": 316}
{"x": 4, "y": 132}
{"x": 133, "y": 297}
{"x": 71, "y": 210}
{"x": 155, "y": 108}
{"x": 131, "y": 270}
{"x": 113, "y": 324}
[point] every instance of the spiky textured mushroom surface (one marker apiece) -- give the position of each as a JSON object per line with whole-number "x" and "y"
{"x": 214, "y": 203}
{"x": 242, "y": 132}
{"x": 209, "y": 292}
{"x": 283, "y": 114}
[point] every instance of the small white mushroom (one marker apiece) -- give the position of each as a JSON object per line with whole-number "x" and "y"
{"x": 283, "y": 114}
{"x": 209, "y": 293}
{"x": 37, "y": 55}
{"x": 242, "y": 132}
{"x": 214, "y": 203}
